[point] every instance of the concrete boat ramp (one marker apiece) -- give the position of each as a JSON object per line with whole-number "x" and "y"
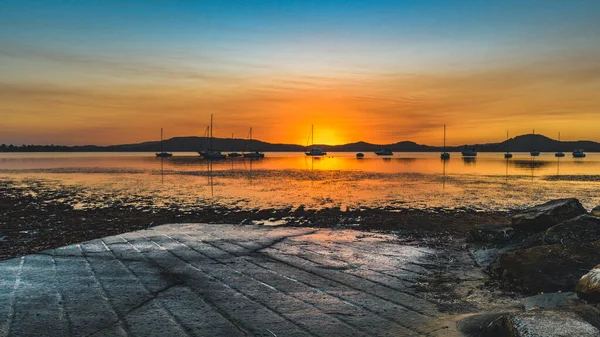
{"x": 221, "y": 280}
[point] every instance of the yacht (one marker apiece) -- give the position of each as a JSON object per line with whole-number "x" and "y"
{"x": 360, "y": 155}
{"x": 162, "y": 154}
{"x": 559, "y": 153}
{"x": 507, "y": 155}
{"x": 314, "y": 152}
{"x": 210, "y": 153}
{"x": 445, "y": 155}
{"x": 384, "y": 152}
{"x": 469, "y": 152}
{"x": 578, "y": 154}
{"x": 233, "y": 154}
{"x": 252, "y": 154}
{"x": 534, "y": 152}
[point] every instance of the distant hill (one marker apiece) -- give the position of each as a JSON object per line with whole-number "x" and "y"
{"x": 522, "y": 143}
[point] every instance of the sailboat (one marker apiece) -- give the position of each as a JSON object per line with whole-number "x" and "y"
{"x": 534, "y": 152}
{"x": 233, "y": 154}
{"x": 507, "y": 155}
{"x": 445, "y": 155}
{"x": 210, "y": 153}
{"x": 255, "y": 154}
{"x": 314, "y": 152}
{"x": 162, "y": 154}
{"x": 559, "y": 153}
{"x": 578, "y": 154}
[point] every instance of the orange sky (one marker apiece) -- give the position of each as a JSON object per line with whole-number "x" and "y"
{"x": 121, "y": 84}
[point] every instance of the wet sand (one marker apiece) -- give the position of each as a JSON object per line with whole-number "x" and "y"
{"x": 35, "y": 218}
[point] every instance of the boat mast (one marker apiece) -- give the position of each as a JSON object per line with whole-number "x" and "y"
{"x": 506, "y": 140}
{"x": 211, "y": 128}
{"x": 250, "y": 142}
{"x": 312, "y": 134}
{"x": 444, "y": 138}
{"x": 161, "y": 138}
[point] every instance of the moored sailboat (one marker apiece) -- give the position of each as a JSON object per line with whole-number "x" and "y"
{"x": 507, "y": 155}
{"x": 445, "y": 155}
{"x": 314, "y": 152}
{"x": 162, "y": 154}
{"x": 252, "y": 154}
{"x": 559, "y": 153}
{"x": 211, "y": 153}
{"x": 534, "y": 152}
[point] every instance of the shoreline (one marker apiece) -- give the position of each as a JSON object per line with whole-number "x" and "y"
{"x": 31, "y": 222}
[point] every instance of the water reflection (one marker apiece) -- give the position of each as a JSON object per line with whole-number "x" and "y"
{"x": 410, "y": 179}
{"x": 469, "y": 160}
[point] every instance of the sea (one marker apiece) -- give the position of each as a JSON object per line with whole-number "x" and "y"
{"x": 487, "y": 182}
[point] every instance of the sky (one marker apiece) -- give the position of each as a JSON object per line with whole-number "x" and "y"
{"x": 77, "y": 72}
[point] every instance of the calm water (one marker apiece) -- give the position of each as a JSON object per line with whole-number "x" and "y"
{"x": 419, "y": 180}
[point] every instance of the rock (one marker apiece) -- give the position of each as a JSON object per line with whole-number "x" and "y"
{"x": 584, "y": 228}
{"x": 544, "y": 216}
{"x": 547, "y": 323}
{"x": 548, "y": 268}
{"x": 551, "y": 301}
{"x": 596, "y": 211}
{"x": 588, "y": 287}
{"x": 491, "y": 233}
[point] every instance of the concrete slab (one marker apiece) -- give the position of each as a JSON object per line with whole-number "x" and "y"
{"x": 220, "y": 280}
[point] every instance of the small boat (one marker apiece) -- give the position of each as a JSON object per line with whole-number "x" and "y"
{"x": 507, "y": 155}
{"x": 445, "y": 155}
{"x": 255, "y": 154}
{"x": 314, "y": 152}
{"x": 534, "y": 152}
{"x": 163, "y": 154}
{"x": 212, "y": 154}
{"x": 360, "y": 155}
{"x": 384, "y": 152}
{"x": 233, "y": 154}
{"x": 469, "y": 152}
{"x": 559, "y": 154}
{"x": 578, "y": 154}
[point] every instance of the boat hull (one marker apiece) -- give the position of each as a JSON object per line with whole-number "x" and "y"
{"x": 164, "y": 155}
{"x": 254, "y": 155}
{"x": 212, "y": 156}
{"x": 508, "y": 155}
{"x": 445, "y": 156}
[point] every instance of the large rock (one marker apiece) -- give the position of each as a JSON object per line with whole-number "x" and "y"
{"x": 596, "y": 211}
{"x": 548, "y": 268}
{"x": 491, "y": 233}
{"x": 544, "y": 216}
{"x": 572, "y": 321}
{"x": 588, "y": 287}
{"x": 547, "y": 323}
{"x": 551, "y": 301}
{"x": 584, "y": 228}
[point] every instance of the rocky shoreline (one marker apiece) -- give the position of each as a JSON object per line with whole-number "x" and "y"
{"x": 551, "y": 252}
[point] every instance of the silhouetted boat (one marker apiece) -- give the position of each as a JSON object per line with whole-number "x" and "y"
{"x": 534, "y": 152}
{"x": 578, "y": 154}
{"x": 507, "y": 155}
{"x": 255, "y": 154}
{"x": 233, "y": 154}
{"x": 314, "y": 152}
{"x": 445, "y": 155}
{"x": 469, "y": 152}
{"x": 210, "y": 153}
{"x": 384, "y": 152}
{"x": 559, "y": 153}
{"x": 360, "y": 155}
{"x": 162, "y": 154}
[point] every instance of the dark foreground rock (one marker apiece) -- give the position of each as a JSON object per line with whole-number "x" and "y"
{"x": 588, "y": 287}
{"x": 596, "y": 211}
{"x": 548, "y": 268}
{"x": 584, "y": 228}
{"x": 577, "y": 321}
{"x": 491, "y": 233}
{"x": 544, "y": 216}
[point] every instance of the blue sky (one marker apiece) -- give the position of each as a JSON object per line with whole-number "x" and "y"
{"x": 233, "y": 49}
